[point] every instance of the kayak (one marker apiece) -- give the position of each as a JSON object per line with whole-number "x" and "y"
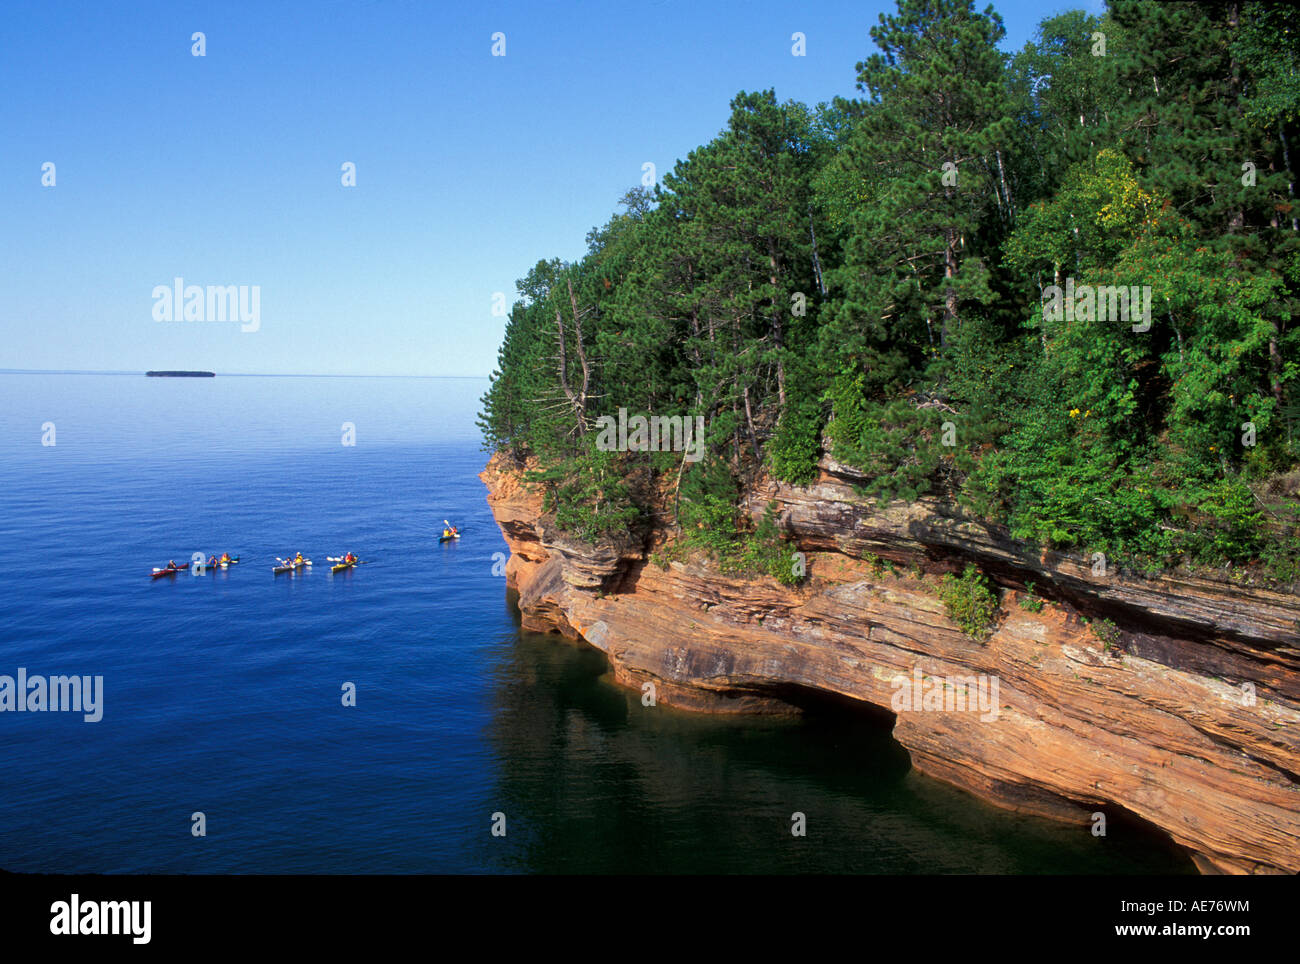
{"x": 448, "y": 538}
{"x": 291, "y": 567}
{"x": 341, "y": 566}
{"x": 164, "y": 571}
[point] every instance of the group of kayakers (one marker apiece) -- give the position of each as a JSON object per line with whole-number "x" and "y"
{"x": 296, "y": 561}
{"x": 213, "y": 561}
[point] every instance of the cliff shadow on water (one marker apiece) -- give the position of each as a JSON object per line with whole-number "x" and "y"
{"x": 593, "y": 780}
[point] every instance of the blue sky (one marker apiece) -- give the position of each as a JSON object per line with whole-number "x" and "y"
{"x": 225, "y": 169}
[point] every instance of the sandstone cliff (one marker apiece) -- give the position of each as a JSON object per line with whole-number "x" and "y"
{"x": 1192, "y": 722}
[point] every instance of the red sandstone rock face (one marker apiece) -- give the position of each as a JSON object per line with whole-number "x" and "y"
{"x": 1163, "y": 729}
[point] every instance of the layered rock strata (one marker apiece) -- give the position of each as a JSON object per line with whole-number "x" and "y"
{"x": 1190, "y": 720}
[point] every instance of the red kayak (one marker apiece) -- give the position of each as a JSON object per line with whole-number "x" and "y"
{"x": 167, "y": 572}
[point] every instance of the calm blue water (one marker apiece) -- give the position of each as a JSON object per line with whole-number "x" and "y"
{"x": 222, "y": 691}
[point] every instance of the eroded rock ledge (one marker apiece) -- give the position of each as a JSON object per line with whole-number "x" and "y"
{"x": 1163, "y": 727}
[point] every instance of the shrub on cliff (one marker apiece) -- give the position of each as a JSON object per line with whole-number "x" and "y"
{"x": 712, "y": 521}
{"x": 708, "y": 511}
{"x": 970, "y": 601}
{"x": 765, "y": 552}
{"x": 589, "y": 496}
{"x": 1230, "y": 528}
{"x": 794, "y": 450}
{"x": 1030, "y": 602}
{"x": 1107, "y": 632}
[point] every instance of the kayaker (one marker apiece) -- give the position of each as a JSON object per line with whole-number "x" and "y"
{"x": 225, "y": 557}
{"x": 212, "y": 562}
{"x": 171, "y": 564}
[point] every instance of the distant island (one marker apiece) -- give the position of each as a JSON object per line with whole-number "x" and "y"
{"x": 181, "y": 374}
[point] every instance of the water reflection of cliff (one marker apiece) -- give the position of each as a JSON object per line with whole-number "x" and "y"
{"x": 592, "y": 781}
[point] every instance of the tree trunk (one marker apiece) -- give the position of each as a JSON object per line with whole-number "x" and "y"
{"x": 778, "y": 324}
{"x": 1275, "y": 364}
{"x": 576, "y": 400}
{"x": 582, "y": 351}
{"x": 749, "y": 424}
{"x": 950, "y": 297}
{"x": 1290, "y": 171}
{"x": 695, "y": 353}
{"x": 817, "y": 264}
{"x": 1006, "y": 192}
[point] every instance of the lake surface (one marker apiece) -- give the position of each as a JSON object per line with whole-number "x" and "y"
{"x": 222, "y": 691}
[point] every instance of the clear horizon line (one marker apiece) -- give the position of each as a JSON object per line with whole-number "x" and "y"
{"x": 118, "y": 371}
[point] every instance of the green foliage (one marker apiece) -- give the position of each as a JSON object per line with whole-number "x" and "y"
{"x": 868, "y": 270}
{"x": 667, "y": 554}
{"x": 970, "y": 602}
{"x": 713, "y": 522}
{"x": 1267, "y": 43}
{"x": 709, "y": 512}
{"x": 796, "y": 447}
{"x": 1029, "y": 601}
{"x": 764, "y": 552}
{"x": 1230, "y": 526}
{"x": 1107, "y": 632}
{"x": 589, "y": 496}
{"x": 760, "y": 552}
{"x": 897, "y": 443}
